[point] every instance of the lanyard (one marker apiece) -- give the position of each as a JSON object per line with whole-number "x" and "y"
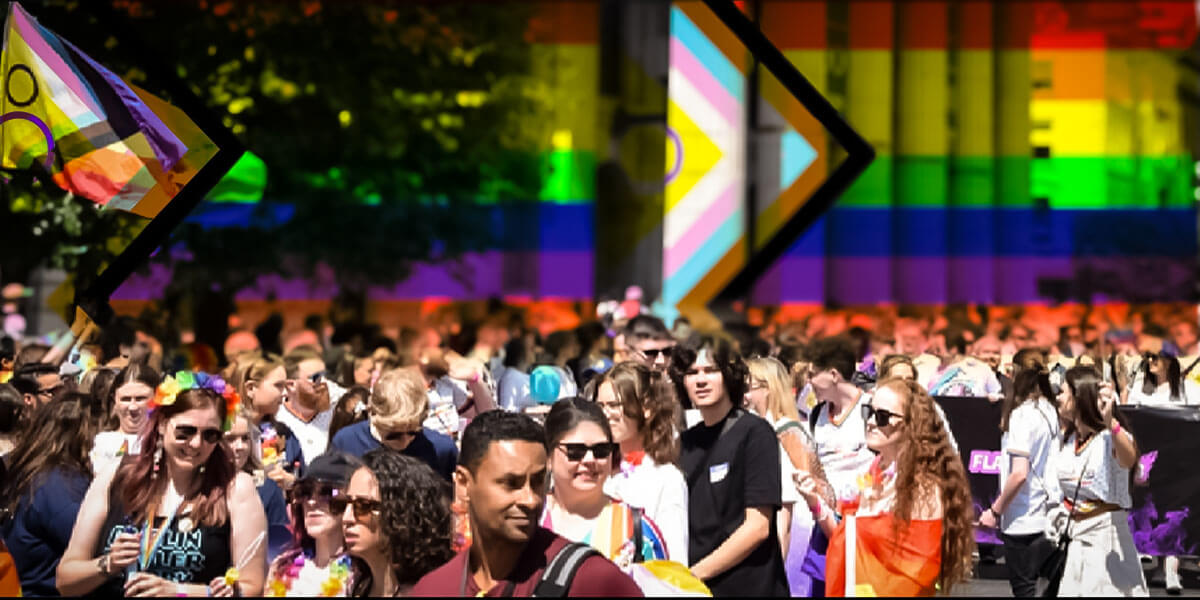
{"x": 148, "y": 549}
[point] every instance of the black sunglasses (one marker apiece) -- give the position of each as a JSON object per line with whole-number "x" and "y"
{"x": 576, "y": 451}
{"x": 882, "y": 417}
{"x": 653, "y": 353}
{"x": 401, "y": 434}
{"x": 317, "y": 377}
{"x": 184, "y": 433}
{"x": 315, "y": 491}
{"x": 363, "y": 507}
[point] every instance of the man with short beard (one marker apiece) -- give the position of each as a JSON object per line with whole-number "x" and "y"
{"x": 307, "y": 410}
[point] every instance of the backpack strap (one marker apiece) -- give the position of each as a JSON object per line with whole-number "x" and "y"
{"x": 556, "y": 579}
{"x": 813, "y": 415}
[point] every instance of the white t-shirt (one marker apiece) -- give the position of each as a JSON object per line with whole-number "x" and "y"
{"x": 567, "y": 387}
{"x": 313, "y": 435}
{"x": 1162, "y": 394}
{"x": 786, "y": 469}
{"x": 842, "y": 447}
{"x": 1032, "y": 433}
{"x": 446, "y": 397}
{"x": 1103, "y": 478}
{"x": 661, "y": 491}
{"x": 110, "y": 446}
{"x": 514, "y": 390}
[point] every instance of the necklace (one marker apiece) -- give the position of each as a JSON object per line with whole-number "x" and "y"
{"x": 334, "y": 584}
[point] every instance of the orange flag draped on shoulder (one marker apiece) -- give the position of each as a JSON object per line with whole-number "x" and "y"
{"x": 888, "y": 563}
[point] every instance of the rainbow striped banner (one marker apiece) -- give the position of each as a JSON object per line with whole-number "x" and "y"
{"x": 1028, "y": 151}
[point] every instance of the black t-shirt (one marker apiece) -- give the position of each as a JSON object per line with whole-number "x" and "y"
{"x": 729, "y": 467}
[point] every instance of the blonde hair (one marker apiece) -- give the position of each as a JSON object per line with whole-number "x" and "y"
{"x": 252, "y": 366}
{"x": 399, "y": 399}
{"x": 780, "y": 401}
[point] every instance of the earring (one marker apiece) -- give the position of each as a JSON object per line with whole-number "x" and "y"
{"x": 158, "y": 452}
{"x": 201, "y": 469}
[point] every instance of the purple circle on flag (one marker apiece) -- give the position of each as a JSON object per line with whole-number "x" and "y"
{"x": 17, "y": 114}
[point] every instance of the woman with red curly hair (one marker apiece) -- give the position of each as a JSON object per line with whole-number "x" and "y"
{"x": 912, "y": 521}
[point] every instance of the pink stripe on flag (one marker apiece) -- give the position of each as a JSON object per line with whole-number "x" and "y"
{"x": 712, "y": 90}
{"x": 31, "y": 35}
{"x": 700, "y": 232}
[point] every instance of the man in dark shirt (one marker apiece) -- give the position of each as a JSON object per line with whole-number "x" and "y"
{"x": 731, "y": 463}
{"x": 501, "y": 478}
{"x": 397, "y": 407}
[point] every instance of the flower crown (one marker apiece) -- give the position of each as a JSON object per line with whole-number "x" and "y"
{"x": 170, "y": 388}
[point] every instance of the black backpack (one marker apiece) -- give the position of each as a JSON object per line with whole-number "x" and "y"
{"x": 556, "y": 579}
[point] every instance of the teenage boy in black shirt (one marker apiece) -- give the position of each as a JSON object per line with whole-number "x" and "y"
{"x": 731, "y": 462}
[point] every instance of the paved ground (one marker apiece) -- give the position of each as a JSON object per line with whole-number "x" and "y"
{"x": 991, "y": 584}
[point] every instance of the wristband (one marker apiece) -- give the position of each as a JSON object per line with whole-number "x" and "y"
{"x": 179, "y": 593}
{"x": 1116, "y": 428}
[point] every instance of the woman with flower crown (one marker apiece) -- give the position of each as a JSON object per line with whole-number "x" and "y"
{"x": 314, "y": 564}
{"x": 177, "y": 519}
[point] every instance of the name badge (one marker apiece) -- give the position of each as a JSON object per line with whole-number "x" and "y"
{"x": 718, "y": 472}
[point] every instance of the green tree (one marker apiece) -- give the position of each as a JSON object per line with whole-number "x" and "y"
{"x": 386, "y": 124}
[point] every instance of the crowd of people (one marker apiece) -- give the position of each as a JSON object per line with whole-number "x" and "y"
{"x": 610, "y": 460}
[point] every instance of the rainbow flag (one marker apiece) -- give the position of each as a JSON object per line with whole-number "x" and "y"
{"x": 96, "y": 135}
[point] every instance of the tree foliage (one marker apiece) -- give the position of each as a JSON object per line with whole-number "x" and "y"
{"x": 382, "y": 122}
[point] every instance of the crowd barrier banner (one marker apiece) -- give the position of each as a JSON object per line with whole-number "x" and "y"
{"x": 1166, "y": 494}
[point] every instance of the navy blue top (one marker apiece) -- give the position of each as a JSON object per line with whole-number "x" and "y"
{"x": 293, "y": 453}
{"x": 39, "y": 531}
{"x": 273, "y": 502}
{"x": 436, "y": 449}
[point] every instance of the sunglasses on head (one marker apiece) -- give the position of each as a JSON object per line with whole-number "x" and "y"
{"x": 400, "y": 434}
{"x": 184, "y": 433}
{"x": 882, "y": 417}
{"x": 576, "y": 451}
{"x": 363, "y": 507}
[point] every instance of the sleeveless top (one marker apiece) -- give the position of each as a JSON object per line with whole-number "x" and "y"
{"x": 197, "y": 556}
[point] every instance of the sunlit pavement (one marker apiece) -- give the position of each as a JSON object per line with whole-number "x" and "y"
{"x": 992, "y": 584}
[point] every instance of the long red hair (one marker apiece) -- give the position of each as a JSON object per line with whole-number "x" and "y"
{"x": 928, "y": 461}
{"x": 140, "y": 488}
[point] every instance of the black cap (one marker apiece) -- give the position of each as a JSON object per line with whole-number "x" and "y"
{"x": 333, "y": 467}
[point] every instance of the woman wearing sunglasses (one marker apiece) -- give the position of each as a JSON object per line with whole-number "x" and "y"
{"x": 913, "y": 514}
{"x": 177, "y": 519}
{"x": 314, "y": 563}
{"x": 582, "y": 458}
{"x": 397, "y": 523}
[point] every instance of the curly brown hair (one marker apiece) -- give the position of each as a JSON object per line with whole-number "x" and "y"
{"x": 415, "y": 518}
{"x": 928, "y": 462}
{"x": 641, "y": 392}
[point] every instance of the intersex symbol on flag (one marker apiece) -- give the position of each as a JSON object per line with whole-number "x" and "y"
{"x": 106, "y": 140}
